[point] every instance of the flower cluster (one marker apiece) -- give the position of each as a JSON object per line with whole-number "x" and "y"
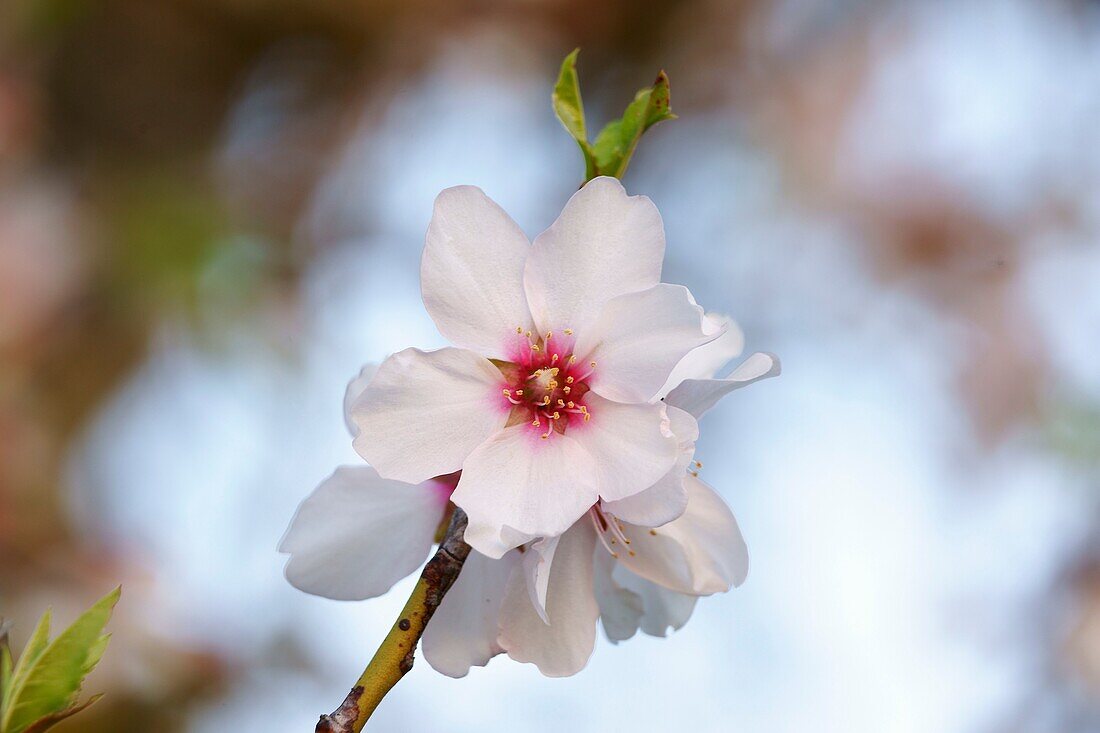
{"x": 563, "y": 423}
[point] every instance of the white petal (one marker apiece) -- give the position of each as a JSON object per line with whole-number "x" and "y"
{"x": 639, "y": 338}
{"x": 563, "y": 646}
{"x": 699, "y": 395}
{"x": 661, "y": 608}
{"x": 516, "y": 487}
{"x": 424, "y": 412}
{"x": 705, "y": 361}
{"x": 700, "y": 553}
{"x": 633, "y": 445}
{"x": 536, "y": 569}
{"x": 463, "y": 631}
{"x": 620, "y": 609}
{"x": 666, "y": 499}
{"x": 604, "y": 244}
{"x": 354, "y": 391}
{"x": 471, "y": 274}
{"x": 357, "y": 534}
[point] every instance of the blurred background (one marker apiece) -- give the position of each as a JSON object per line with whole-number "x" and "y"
{"x": 211, "y": 214}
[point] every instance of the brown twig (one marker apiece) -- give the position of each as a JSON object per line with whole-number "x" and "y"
{"x": 395, "y": 656}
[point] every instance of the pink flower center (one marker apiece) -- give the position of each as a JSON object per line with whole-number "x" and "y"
{"x": 545, "y": 383}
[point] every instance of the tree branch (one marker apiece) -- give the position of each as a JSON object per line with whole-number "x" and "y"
{"x": 395, "y": 656}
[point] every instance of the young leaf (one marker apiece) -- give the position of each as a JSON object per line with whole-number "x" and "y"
{"x": 35, "y": 646}
{"x": 570, "y": 109}
{"x": 5, "y": 666}
{"x": 49, "y": 721}
{"x": 616, "y": 142}
{"x": 48, "y": 688}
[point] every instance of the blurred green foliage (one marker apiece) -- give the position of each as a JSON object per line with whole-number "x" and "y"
{"x": 41, "y": 689}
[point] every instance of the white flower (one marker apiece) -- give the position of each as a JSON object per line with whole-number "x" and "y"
{"x": 359, "y": 533}
{"x": 550, "y": 403}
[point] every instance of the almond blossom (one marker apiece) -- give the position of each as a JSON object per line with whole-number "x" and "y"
{"x": 549, "y": 401}
{"x": 624, "y": 563}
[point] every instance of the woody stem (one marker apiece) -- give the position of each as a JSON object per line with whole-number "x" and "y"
{"x": 395, "y": 655}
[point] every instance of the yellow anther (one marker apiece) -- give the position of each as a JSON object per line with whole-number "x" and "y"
{"x": 561, "y": 403}
{"x": 519, "y": 329}
{"x": 544, "y": 436}
{"x": 554, "y": 371}
{"x": 554, "y": 359}
{"x": 653, "y": 532}
{"x": 572, "y": 358}
{"x": 545, "y": 401}
{"x": 592, "y": 364}
{"x": 632, "y": 553}
{"x": 549, "y": 335}
{"x": 694, "y": 473}
{"x": 556, "y": 415}
{"x": 568, "y": 332}
{"x": 570, "y": 404}
{"x": 519, "y": 391}
{"x": 536, "y": 347}
{"x": 566, "y": 389}
{"x": 552, "y": 385}
{"x": 535, "y": 423}
{"x": 528, "y": 334}
{"x": 698, "y": 464}
{"x": 615, "y": 555}
{"x": 569, "y": 380}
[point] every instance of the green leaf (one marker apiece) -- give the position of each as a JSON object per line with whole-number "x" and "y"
{"x": 35, "y": 646}
{"x": 49, "y": 721}
{"x": 617, "y": 141}
{"x": 5, "y": 666}
{"x": 52, "y": 680}
{"x": 570, "y": 109}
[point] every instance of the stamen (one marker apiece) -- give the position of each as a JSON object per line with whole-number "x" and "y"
{"x": 549, "y": 335}
{"x": 510, "y": 398}
{"x": 698, "y": 464}
{"x": 536, "y": 347}
{"x": 554, "y": 359}
{"x": 519, "y": 330}
{"x": 599, "y": 532}
{"x": 617, "y": 530}
{"x": 568, "y": 332}
{"x": 561, "y": 403}
{"x": 567, "y": 389}
{"x": 569, "y": 380}
{"x": 694, "y": 473}
{"x": 573, "y": 359}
